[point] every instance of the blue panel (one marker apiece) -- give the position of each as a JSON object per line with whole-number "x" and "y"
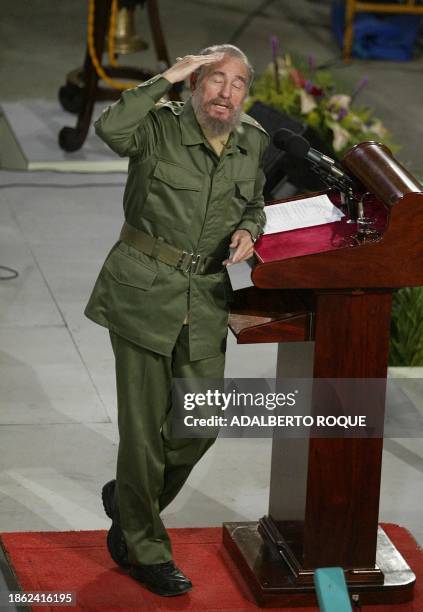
{"x": 378, "y": 36}
{"x": 331, "y": 590}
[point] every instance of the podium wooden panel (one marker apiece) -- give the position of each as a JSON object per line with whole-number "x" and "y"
{"x": 334, "y": 307}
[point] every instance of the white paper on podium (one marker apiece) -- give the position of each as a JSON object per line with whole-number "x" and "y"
{"x": 307, "y": 212}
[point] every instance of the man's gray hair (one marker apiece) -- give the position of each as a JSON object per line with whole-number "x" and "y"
{"x": 228, "y": 50}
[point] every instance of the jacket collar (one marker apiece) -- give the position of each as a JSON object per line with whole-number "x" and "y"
{"x": 190, "y": 129}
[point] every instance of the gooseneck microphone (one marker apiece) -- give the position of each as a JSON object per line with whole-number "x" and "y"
{"x": 297, "y": 146}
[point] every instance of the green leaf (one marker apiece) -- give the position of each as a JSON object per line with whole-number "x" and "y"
{"x": 407, "y": 328}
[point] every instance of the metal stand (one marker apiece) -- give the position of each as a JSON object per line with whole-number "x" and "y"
{"x": 82, "y": 87}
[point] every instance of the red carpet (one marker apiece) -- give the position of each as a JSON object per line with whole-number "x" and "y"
{"x": 78, "y": 561}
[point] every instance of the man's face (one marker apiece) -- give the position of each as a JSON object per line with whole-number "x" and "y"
{"x": 217, "y": 99}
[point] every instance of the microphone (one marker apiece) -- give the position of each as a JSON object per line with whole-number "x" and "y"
{"x": 299, "y": 147}
{"x": 324, "y": 166}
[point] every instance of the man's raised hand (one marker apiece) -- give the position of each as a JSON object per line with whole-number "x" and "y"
{"x": 189, "y": 63}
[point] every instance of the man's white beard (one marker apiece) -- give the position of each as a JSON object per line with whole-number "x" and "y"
{"x": 213, "y": 125}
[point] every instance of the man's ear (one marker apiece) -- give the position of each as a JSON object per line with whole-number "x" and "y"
{"x": 193, "y": 80}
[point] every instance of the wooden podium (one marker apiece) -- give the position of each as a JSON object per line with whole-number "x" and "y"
{"x": 326, "y": 299}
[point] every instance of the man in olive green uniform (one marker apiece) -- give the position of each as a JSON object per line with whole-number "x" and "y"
{"x": 194, "y": 189}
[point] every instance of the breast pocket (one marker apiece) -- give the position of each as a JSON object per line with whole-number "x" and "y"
{"x": 243, "y": 193}
{"x": 174, "y": 194}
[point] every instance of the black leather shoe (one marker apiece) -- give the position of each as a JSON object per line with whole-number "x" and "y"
{"x": 116, "y": 544}
{"x": 162, "y": 578}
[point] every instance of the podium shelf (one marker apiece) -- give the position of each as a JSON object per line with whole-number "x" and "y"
{"x": 271, "y": 316}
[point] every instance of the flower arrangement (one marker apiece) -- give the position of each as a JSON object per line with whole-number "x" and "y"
{"x": 310, "y": 94}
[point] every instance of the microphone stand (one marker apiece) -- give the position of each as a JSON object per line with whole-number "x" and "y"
{"x": 344, "y": 184}
{"x": 366, "y": 232}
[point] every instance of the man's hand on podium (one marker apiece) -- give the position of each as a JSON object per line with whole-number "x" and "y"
{"x": 243, "y": 244}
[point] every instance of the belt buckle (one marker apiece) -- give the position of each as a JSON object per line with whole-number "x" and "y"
{"x": 188, "y": 262}
{"x": 195, "y": 262}
{"x": 185, "y": 261}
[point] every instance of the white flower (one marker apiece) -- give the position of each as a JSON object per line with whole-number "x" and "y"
{"x": 340, "y": 101}
{"x": 308, "y": 102}
{"x": 377, "y": 128}
{"x": 340, "y": 136}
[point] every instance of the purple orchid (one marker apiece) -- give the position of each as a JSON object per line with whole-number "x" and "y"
{"x": 343, "y": 112}
{"x": 275, "y": 46}
{"x": 360, "y": 86}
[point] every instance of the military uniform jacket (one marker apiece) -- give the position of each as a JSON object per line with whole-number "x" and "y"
{"x": 180, "y": 189}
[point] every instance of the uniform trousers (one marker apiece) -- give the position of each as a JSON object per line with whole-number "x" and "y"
{"x": 151, "y": 465}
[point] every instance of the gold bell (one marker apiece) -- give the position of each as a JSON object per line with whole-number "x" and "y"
{"x": 126, "y": 39}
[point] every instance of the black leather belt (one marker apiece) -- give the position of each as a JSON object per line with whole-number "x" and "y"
{"x": 168, "y": 254}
